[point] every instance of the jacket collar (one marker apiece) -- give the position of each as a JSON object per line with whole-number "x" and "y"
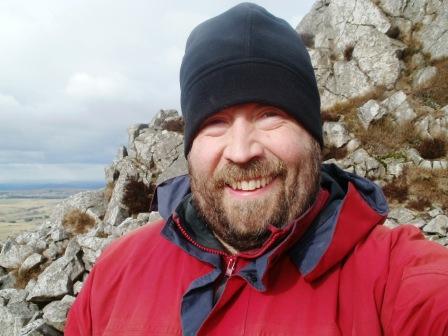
{"x": 353, "y": 206}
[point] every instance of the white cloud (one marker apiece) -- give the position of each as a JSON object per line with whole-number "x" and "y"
{"x": 76, "y": 74}
{"x": 90, "y": 86}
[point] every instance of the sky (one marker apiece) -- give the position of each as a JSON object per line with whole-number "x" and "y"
{"x": 75, "y": 74}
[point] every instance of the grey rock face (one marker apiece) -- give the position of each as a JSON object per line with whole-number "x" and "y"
{"x": 12, "y": 254}
{"x": 399, "y": 107}
{"x": 423, "y": 76}
{"x": 56, "y": 280}
{"x": 354, "y": 55}
{"x": 335, "y": 134}
{"x": 91, "y": 201}
{"x": 39, "y": 327}
{"x": 438, "y": 225}
{"x": 55, "y": 313}
{"x": 369, "y": 112}
{"x": 30, "y": 262}
{"x": 402, "y": 215}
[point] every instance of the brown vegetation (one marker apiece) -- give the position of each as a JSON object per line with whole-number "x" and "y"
{"x": 431, "y": 149}
{"x": 348, "y": 53}
{"x": 137, "y": 196}
{"x": 77, "y": 222}
{"x": 22, "y": 278}
{"x": 328, "y": 116}
{"x": 435, "y": 94}
{"x": 334, "y": 153}
{"x": 397, "y": 189}
{"x": 384, "y": 137}
{"x": 419, "y": 204}
{"x": 421, "y": 187}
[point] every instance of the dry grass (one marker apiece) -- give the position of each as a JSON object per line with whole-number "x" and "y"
{"x": 334, "y": 153}
{"x": 137, "y": 196}
{"x": 328, "y": 116}
{"x": 22, "y": 278}
{"x": 429, "y": 184}
{"x": 419, "y": 204}
{"x": 420, "y": 187}
{"x": 435, "y": 94}
{"x": 431, "y": 149}
{"x": 384, "y": 137}
{"x": 77, "y": 222}
{"x": 397, "y": 190}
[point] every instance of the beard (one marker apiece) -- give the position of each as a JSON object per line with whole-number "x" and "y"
{"x": 244, "y": 224}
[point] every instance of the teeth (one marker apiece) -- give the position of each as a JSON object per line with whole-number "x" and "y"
{"x": 251, "y": 184}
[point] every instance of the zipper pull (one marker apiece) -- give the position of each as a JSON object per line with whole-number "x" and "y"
{"x": 230, "y": 266}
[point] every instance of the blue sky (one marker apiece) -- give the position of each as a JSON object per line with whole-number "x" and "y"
{"x": 76, "y": 73}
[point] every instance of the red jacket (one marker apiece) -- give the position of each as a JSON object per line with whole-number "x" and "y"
{"x": 344, "y": 275}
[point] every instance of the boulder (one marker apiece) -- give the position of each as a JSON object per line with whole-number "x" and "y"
{"x": 55, "y": 313}
{"x": 335, "y": 134}
{"x": 12, "y": 254}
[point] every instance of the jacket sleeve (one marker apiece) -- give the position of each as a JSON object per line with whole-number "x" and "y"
{"x": 416, "y": 294}
{"x": 79, "y": 319}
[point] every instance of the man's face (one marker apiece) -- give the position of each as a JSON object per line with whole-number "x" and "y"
{"x": 252, "y": 166}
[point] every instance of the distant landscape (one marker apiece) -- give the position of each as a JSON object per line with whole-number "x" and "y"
{"x": 24, "y": 206}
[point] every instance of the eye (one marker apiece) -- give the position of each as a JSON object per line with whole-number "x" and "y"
{"x": 214, "y": 126}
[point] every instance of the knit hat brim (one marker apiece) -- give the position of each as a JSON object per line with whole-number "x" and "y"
{"x": 250, "y": 81}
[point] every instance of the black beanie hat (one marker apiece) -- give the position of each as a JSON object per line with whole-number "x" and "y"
{"x": 246, "y": 55}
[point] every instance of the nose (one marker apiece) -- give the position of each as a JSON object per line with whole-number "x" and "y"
{"x": 242, "y": 144}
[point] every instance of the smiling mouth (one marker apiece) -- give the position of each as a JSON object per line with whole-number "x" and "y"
{"x": 249, "y": 185}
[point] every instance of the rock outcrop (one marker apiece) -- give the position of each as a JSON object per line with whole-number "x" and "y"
{"x": 376, "y": 64}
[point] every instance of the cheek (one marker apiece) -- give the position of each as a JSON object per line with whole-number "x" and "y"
{"x": 204, "y": 156}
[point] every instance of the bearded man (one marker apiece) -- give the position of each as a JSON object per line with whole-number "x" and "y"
{"x": 268, "y": 241}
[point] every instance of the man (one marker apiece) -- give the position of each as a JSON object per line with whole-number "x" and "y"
{"x": 266, "y": 243}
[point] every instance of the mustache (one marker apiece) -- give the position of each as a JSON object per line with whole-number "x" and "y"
{"x": 232, "y": 172}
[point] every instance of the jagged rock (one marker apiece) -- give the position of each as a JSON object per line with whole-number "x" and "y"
{"x": 30, "y": 262}
{"x": 435, "y": 212}
{"x": 77, "y": 287}
{"x": 367, "y": 166}
{"x": 423, "y": 76}
{"x": 133, "y": 132}
{"x": 57, "y": 279}
{"x": 402, "y": 215}
{"x": 58, "y": 234}
{"x": 399, "y": 107}
{"x": 360, "y": 26}
{"x": 390, "y": 223}
{"x": 335, "y": 134}
{"x": 434, "y": 33}
{"x": 38, "y": 327}
{"x": 13, "y": 295}
{"x": 116, "y": 211}
{"x": 369, "y": 112}
{"x": 122, "y": 152}
{"x": 13, "y": 254}
{"x": 167, "y": 120}
{"x": 438, "y": 225}
{"x": 7, "y": 281}
{"x": 177, "y": 167}
{"x": 14, "y": 317}
{"x": 87, "y": 201}
{"x": 394, "y": 167}
{"x": 417, "y": 222}
{"x": 55, "y": 313}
